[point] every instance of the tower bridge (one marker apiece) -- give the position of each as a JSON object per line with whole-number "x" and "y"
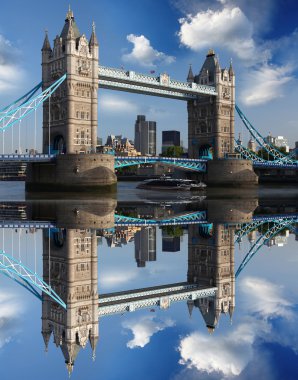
{"x": 71, "y": 77}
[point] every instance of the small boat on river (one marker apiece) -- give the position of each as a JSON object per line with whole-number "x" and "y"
{"x": 167, "y": 183}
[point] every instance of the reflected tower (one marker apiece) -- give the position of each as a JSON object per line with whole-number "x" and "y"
{"x": 70, "y": 267}
{"x": 145, "y": 246}
{"x": 211, "y": 262}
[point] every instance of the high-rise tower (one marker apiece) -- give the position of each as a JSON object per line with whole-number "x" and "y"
{"x": 70, "y": 115}
{"x": 211, "y": 119}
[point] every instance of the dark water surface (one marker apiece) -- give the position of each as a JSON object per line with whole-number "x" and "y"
{"x": 206, "y": 288}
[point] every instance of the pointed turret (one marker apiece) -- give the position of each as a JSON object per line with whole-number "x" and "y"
{"x": 217, "y": 65}
{"x": 93, "y": 39}
{"x": 231, "y": 70}
{"x": 190, "y": 305}
{"x": 46, "y": 338}
{"x": 46, "y": 43}
{"x": 231, "y": 311}
{"x": 190, "y": 76}
{"x": 93, "y": 343}
{"x": 70, "y": 29}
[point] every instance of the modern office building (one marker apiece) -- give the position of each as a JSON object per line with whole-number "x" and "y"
{"x": 145, "y": 246}
{"x": 279, "y": 142}
{"x": 170, "y": 243}
{"x": 170, "y": 138}
{"x": 145, "y": 136}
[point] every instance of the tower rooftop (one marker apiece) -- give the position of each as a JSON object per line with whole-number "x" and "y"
{"x": 70, "y": 23}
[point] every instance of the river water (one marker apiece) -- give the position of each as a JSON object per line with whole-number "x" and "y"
{"x": 147, "y": 285}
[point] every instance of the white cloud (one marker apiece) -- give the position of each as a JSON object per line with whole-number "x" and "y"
{"x": 116, "y": 278}
{"x": 229, "y": 354}
{"x": 144, "y": 328}
{"x": 10, "y": 73}
{"x": 112, "y": 103}
{"x": 228, "y": 28}
{"x": 10, "y": 309}
{"x": 268, "y": 300}
{"x": 144, "y": 54}
{"x": 265, "y": 83}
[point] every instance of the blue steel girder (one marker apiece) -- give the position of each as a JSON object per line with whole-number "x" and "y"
{"x": 259, "y": 221}
{"x": 23, "y": 99}
{"x": 278, "y": 227}
{"x": 20, "y": 281}
{"x": 190, "y": 218}
{"x": 260, "y": 162}
{"x": 17, "y": 269}
{"x": 15, "y": 115}
{"x": 277, "y": 155}
{"x": 186, "y": 163}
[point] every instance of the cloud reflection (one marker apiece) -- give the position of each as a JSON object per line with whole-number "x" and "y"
{"x": 232, "y": 353}
{"x": 144, "y": 328}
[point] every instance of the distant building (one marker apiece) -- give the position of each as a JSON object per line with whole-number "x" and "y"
{"x": 170, "y": 138}
{"x": 251, "y": 145}
{"x": 279, "y": 142}
{"x": 170, "y": 243}
{"x": 145, "y": 246}
{"x": 122, "y": 146}
{"x": 126, "y": 148}
{"x": 145, "y": 136}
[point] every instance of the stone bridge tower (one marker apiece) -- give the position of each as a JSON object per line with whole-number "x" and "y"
{"x": 70, "y": 116}
{"x": 211, "y": 119}
{"x": 211, "y": 132}
{"x": 70, "y": 267}
{"x": 211, "y": 263}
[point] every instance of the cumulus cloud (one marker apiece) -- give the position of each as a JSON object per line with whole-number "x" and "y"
{"x": 144, "y": 328}
{"x": 229, "y": 354}
{"x": 265, "y": 83}
{"x": 228, "y": 28}
{"x": 144, "y": 54}
{"x": 269, "y": 301}
{"x": 9, "y": 311}
{"x": 235, "y": 27}
{"x": 112, "y": 103}
{"x": 10, "y": 73}
{"x": 116, "y": 278}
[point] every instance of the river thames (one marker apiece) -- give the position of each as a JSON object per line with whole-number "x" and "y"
{"x": 148, "y": 285}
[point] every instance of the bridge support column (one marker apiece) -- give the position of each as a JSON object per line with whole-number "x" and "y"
{"x": 231, "y": 173}
{"x": 73, "y": 173}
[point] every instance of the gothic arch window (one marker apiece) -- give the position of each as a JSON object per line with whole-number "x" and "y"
{"x": 203, "y": 127}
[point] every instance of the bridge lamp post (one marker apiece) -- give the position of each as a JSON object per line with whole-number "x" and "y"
{"x": 49, "y": 125}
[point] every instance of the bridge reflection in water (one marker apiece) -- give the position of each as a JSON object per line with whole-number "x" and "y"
{"x": 71, "y": 306}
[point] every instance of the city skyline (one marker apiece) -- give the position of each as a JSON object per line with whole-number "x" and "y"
{"x": 138, "y": 46}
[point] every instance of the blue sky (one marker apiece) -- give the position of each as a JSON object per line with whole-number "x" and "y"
{"x": 167, "y": 35}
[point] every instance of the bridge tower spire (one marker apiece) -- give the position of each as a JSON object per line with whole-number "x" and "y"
{"x": 70, "y": 117}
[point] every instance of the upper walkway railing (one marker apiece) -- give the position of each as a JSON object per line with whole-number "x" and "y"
{"x": 161, "y": 85}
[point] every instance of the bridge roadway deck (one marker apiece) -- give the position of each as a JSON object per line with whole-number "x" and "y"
{"x": 10, "y": 223}
{"x": 162, "y": 85}
{"x": 196, "y": 164}
{"x": 162, "y": 296}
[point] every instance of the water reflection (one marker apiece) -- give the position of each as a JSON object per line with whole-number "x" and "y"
{"x": 72, "y": 234}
